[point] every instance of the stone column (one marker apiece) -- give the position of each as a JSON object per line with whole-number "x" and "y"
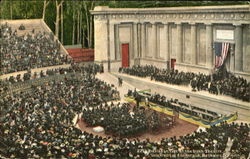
{"x": 143, "y": 40}
{"x": 101, "y": 42}
{"x": 135, "y": 40}
{"x": 139, "y": 39}
{"x": 179, "y": 43}
{"x": 167, "y": 53}
{"x": 154, "y": 51}
{"x": 193, "y": 44}
{"x": 108, "y": 45}
{"x": 209, "y": 46}
{"x": 238, "y": 48}
{"x": 112, "y": 40}
{"x": 117, "y": 47}
{"x": 232, "y": 58}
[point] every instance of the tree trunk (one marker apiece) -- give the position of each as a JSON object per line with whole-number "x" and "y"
{"x": 45, "y": 4}
{"x": 91, "y": 27}
{"x": 87, "y": 20}
{"x": 62, "y": 24}
{"x": 57, "y": 18}
{"x": 91, "y": 32}
{"x": 73, "y": 30}
{"x": 83, "y": 38}
{"x": 78, "y": 28}
{"x": 26, "y": 10}
{"x": 11, "y": 10}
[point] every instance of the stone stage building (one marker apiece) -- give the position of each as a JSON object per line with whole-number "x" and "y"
{"x": 180, "y": 37}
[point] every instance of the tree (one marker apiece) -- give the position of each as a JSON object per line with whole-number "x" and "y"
{"x": 73, "y": 28}
{"x": 62, "y": 24}
{"x": 78, "y": 26}
{"x": 45, "y": 4}
{"x": 11, "y": 10}
{"x": 89, "y": 21}
{"x": 58, "y": 5}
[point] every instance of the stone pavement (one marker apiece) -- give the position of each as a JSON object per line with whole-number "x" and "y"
{"x": 110, "y": 79}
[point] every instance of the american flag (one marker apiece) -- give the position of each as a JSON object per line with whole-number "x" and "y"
{"x": 221, "y": 50}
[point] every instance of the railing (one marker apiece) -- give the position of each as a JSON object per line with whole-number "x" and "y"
{"x": 81, "y": 55}
{"x": 24, "y": 86}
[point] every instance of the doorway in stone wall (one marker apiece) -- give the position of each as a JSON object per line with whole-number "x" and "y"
{"x": 125, "y": 55}
{"x": 173, "y": 63}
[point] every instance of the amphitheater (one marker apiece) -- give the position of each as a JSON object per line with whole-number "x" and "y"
{"x": 80, "y": 110}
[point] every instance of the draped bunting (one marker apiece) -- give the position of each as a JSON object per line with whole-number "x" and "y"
{"x": 184, "y": 116}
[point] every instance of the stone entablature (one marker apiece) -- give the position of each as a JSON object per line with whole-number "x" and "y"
{"x": 238, "y": 14}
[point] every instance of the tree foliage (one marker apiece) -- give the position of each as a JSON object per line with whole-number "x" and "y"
{"x": 82, "y": 23}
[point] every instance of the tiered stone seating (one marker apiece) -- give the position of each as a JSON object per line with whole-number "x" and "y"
{"x": 39, "y": 26}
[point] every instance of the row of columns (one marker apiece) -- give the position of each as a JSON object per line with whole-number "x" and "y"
{"x": 140, "y": 47}
{"x": 209, "y": 46}
{"x": 238, "y": 48}
{"x": 193, "y": 39}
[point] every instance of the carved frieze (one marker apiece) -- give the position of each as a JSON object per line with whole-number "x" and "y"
{"x": 202, "y": 17}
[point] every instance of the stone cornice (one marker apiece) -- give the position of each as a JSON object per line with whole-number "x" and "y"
{"x": 183, "y": 14}
{"x": 243, "y": 18}
{"x": 199, "y": 9}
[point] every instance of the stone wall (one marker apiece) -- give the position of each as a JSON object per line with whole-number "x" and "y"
{"x": 187, "y": 34}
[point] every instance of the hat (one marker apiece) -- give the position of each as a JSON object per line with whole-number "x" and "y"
{"x": 62, "y": 145}
{"x": 91, "y": 151}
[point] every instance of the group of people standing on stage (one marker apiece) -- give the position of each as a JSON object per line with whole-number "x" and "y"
{"x": 179, "y": 107}
{"x": 227, "y": 84}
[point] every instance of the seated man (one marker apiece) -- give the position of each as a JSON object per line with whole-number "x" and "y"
{"x": 21, "y": 27}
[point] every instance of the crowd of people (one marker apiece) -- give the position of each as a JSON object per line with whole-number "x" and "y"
{"x": 74, "y": 68}
{"x": 39, "y": 125}
{"x": 117, "y": 120}
{"x": 175, "y": 105}
{"x": 218, "y": 83}
{"x": 32, "y": 50}
{"x": 39, "y": 122}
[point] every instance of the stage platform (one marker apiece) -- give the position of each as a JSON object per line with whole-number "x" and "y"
{"x": 218, "y": 103}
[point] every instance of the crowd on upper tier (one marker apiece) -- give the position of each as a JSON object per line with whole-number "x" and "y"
{"x": 221, "y": 82}
{"x": 32, "y": 50}
{"x": 6, "y": 83}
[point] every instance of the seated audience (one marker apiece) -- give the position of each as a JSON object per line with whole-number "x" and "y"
{"x": 28, "y": 51}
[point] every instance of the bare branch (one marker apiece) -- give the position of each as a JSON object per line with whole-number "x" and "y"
{"x": 60, "y": 4}
{"x": 47, "y": 3}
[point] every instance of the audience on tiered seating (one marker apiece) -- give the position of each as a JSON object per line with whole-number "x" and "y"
{"x": 228, "y": 84}
{"x": 43, "y": 115}
{"x": 38, "y": 125}
{"x": 38, "y": 128}
{"x": 51, "y": 72}
{"x": 32, "y": 50}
